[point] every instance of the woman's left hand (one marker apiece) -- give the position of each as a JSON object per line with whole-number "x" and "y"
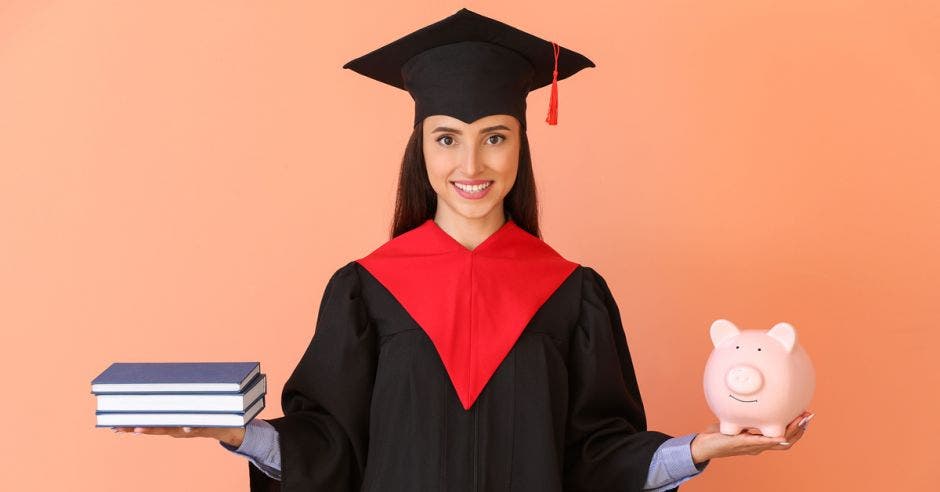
{"x": 713, "y": 444}
{"x": 232, "y": 436}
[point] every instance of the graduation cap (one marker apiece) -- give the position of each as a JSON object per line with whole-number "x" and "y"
{"x": 469, "y": 66}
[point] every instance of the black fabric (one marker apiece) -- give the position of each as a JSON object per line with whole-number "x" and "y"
{"x": 370, "y": 407}
{"x": 468, "y": 66}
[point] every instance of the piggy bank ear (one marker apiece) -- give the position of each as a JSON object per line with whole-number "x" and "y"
{"x": 722, "y": 330}
{"x": 785, "y": 334}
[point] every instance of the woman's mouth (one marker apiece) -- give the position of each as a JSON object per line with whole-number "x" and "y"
{"x": 472, "y": 192}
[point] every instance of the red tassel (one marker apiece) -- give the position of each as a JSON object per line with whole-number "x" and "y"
{"x": 552, "y": 118}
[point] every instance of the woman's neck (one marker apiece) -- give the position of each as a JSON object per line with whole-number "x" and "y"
{"x": 470, "y": 232}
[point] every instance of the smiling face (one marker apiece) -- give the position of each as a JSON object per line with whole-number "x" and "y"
{"x": 471, "y": 166}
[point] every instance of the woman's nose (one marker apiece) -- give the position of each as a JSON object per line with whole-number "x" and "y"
{"x": 471, "y": 164}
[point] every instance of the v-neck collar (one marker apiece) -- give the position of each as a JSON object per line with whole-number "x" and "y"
{"x": 472, "y": 304}
{"x": 502, "y": 230}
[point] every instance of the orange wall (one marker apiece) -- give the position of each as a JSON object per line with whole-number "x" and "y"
{"x": 179, "y": 179}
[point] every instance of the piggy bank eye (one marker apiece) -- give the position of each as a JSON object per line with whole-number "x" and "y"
{"x": 737, "y": 346}
{"x": 758, "y": 349}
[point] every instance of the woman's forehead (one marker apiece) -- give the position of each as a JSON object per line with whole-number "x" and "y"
{"x": 443, "y": 120}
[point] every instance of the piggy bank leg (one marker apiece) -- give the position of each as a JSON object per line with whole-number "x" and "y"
{"x": 773, "y": 430}
{"x": 729, "y": 429}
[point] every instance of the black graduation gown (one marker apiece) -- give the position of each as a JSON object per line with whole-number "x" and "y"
{"x": 369, "y": 406}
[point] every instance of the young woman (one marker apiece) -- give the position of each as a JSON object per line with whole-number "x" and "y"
{"x": 465, "y": 354}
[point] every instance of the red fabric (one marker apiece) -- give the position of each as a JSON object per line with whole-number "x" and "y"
{"x": 473, "y": 304}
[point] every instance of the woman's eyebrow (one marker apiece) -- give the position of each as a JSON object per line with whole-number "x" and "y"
{"x": 458, "y": 132}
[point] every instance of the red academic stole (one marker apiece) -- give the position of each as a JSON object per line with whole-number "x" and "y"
{"x": 473, "y": 304}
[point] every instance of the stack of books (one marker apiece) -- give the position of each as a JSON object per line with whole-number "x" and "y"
{"x": 173, "y": 394}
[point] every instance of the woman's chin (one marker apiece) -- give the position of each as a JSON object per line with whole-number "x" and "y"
{"x": 474, "y": 211}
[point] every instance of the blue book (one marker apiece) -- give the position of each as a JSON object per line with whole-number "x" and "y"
{"x": 175, "y": 377}
{"x": 184, "y": 402}
{"x": 179, "y": 419}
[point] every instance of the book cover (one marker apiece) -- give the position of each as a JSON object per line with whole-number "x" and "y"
{"x": 175, "y": 377}
{"x": 148, "y": 401}
{"x": 177, "y": 419}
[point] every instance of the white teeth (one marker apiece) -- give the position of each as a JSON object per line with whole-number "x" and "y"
{"x": 474, "y": 188}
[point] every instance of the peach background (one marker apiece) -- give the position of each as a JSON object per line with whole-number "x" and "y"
{"x": 179, "y": 180}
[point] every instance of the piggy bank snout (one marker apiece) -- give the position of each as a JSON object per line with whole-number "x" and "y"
{"x": 744, "y": 380}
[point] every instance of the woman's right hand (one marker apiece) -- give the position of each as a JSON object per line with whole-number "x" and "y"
{"x": 232, "y": 436}
{"x": 713, "y": 444}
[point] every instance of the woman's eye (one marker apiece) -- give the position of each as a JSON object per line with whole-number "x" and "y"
{"x": 448, "y": 137}
{"x": 448, "y": 140}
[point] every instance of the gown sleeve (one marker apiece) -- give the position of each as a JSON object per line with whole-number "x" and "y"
{"x": 323, "y": 435}
{"x": 607, "y": 446}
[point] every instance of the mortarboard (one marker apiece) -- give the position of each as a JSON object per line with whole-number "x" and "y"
{"x": 469, "y": 66}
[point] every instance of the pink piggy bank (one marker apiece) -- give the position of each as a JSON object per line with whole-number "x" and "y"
{"x": 757, "y": 379}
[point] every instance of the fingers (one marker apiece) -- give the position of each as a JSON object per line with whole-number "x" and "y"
{"x": 788, "y": 441}
{"x": 745, "y": 443}
{"x": 778, "y": 443}
{"x": 213, "y": 432}
{"x": 146, "y": 430}
{"x": 756, "y": 444}
{"x": 131, "y": 430}
{"x": 795, "y": 430}
{"x": 158, "y": 431}
{"x": 758, "y": 440}
{"x": 792, "y": 430}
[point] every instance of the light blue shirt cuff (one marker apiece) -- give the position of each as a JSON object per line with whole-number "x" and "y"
{"x": 672, "y": 464}
{"x": 261, "y": 447}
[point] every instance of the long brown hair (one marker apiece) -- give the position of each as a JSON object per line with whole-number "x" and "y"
{"x": 416, "y": 201}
